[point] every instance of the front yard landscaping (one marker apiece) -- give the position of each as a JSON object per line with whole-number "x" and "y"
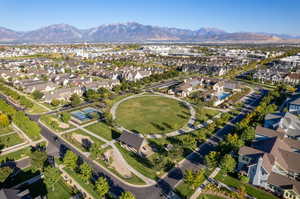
{"x": 251, "y": 190}
{"x": 10, "y": 140}
{"x": 103, "y": 130}
{"x": 152, "y": 114}
{"x": 87, "y": 186}
{"x": 16, "y": 155}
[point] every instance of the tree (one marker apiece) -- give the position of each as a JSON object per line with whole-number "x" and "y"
{"x": 51, "y": 176}
{"x": 232, "y": 142}
{"x": 243, "y": 179}
{"x": 189, "y": 141}
{"x": 108, "y": 118}
{"x": 127, "y": 195}
{"x": 86, "y": 172}
{"x": 193, "y": 178}
{"x": 65, "y": 117}
{"x": 37, "y": 94}
{"x": 55, "y": 102}
{"x": 4, "y": 121}
{"x": 248, "y": 134}
{"x": 91, "y": 95}
{"x": 4, "y": 173}
{"x": 75, "y": 100}
{"x": 70, "y": 160}
{"x": 96, "y": 150}
{"x": 189, "y": 177}
{"x": 228, "y": 163}
{"x": 102, "y": 186}
{"x": 38, "y": 159}
{"x": 211, "y": 159}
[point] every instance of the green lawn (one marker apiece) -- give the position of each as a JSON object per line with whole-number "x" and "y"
{"x": 69, "y": 137}
{"x": 208, "y": 196}
{"x": 204, "y": 114}
{"x": 131, "y": 159}
{"x": 6, "y": 130}
{"x": 251, "y": 190}
{"x": 103, "y": 130}
{"x": 36, "y": 108}
{"x": 184, "y": 190}
{"x": 152, "y": 114}
{"x": 16, "y": 155}
{"x": 61, "y": 191}
{"x": 10, "y": 140}
{"x": 88, "y": 187}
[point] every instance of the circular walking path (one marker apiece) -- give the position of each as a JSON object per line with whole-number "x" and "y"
{"x": 187, "y": 128}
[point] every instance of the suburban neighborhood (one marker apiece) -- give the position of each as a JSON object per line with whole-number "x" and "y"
{"x": 169, "y": 110}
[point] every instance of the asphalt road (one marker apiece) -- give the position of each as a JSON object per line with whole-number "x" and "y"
{"x": 164, "y": 186}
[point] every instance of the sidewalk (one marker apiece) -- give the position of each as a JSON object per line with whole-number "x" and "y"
{"x": 74, "y": 183}
{"x": 149, "y": 181}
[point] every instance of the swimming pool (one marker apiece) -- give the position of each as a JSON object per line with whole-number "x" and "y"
{"x": 223, "y": 95}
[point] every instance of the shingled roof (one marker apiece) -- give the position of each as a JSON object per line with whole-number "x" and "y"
{"x": 284, "y": 182}
{"x": 131, "y": 139}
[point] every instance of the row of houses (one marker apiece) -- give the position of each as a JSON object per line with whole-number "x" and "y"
{"x": 212, "y": 88}
{"x": 130, "y": 73}
{"x": 274, "y": 76}
{"x": 273, "y": 159}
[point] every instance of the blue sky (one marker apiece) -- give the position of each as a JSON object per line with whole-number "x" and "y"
{"x": 278, "y": 16}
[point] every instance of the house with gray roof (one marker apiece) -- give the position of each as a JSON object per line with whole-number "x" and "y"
{"x": 270, "y": 155}
{"x": 134, "y": 142}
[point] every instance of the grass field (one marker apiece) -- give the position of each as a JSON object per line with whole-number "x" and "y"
{"x": 204, "y": 114}
{"x": 48, "y": 120}
{"x": 10, "y": 140}
{"x": 68, "y": 136}
{"x": 130, "y": 158}
{"x": 152, "y": 114}
{"x": 88, "y": 187}
{"x": 103, "y": 130}
{"x": 6, "y": 130}
{"x": 61, "y": 191}
{"x": 36, "y": 108}
{"x": 251, "y": 190}
{"x": 16, "y": 155}
{"x": 208, "y": 196}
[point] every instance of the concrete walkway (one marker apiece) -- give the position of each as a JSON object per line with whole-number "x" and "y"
{"x": 187, "y": 128}
{"x": 67, "y": 177}
{"x": 147, "y": 180}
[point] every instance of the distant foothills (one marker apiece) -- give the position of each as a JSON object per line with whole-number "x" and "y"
{"x": 135, "y": 32}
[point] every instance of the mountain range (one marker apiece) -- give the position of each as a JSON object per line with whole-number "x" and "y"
{"x": 133, "y": 32}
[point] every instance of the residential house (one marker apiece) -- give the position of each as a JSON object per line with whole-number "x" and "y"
{"x": 285, "y": 122}
{"x": 40, "y": 86}
{"x": 270, "y": 155}
{"x": 135, "y": 143}
{"x": 292, "y": 78}
{"x": 108, "y": 84}
{"x": 61, "y": 94}
{"x": 294, "y": 105}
